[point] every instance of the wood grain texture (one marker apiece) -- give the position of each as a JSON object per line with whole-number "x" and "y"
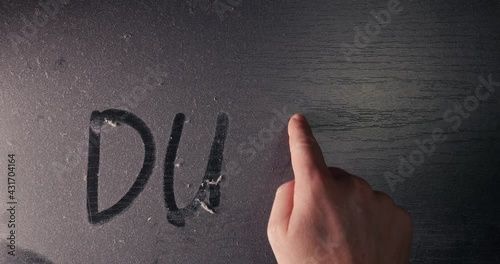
{"x": 368, "y": 112}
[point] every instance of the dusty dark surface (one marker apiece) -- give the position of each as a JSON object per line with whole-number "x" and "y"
{"x": 367, "y": 108}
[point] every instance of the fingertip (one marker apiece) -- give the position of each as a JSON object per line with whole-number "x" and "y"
{"x": 295, "y": 122}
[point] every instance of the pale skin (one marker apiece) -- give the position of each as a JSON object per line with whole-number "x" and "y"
{"x": 326, "y": 215}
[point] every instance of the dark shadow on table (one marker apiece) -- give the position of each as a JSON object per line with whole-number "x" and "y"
{"x": 23, "y": 256}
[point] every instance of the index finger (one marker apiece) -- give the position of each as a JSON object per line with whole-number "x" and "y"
{"x": 307, "y": 158}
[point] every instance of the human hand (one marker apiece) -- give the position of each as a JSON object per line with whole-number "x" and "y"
{"x": 327, "y": 215}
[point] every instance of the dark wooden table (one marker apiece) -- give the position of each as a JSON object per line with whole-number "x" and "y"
{"x": 374, "y": 78}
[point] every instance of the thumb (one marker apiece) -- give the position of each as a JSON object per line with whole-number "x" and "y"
{"x": 281, "y": 212}
{"x": 307, "y": 158}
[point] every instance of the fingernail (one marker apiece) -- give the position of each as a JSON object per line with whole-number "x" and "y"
{"x": 299, "y": 117}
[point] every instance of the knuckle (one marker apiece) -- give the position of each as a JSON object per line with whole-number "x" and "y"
{"x": 271, "y": 229}
{"x": 306, "y": 141}
{"x": 361, "y": 192}
{"x": 285, "y": 187}
{"x": 360, "y": 184}
{"x": 383, "y": 197}
{"x": 275, "y": 231}
{"x": 271, "y": 233}
{"x": 281, "y": 188}
{"x": 339, "y": 173}
{"x": 406, "y": 217}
